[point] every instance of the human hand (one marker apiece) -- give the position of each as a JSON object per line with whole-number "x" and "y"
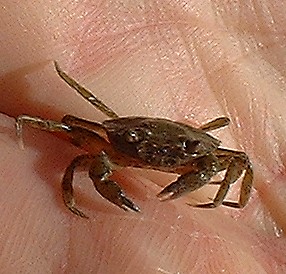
{"x": 189, "y": 62}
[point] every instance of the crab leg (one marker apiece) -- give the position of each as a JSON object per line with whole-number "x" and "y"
{"x": 86, "y": 94}
{"x": 99, "y": 172}
{"x": 83, "y": 161}
{"x": 215, "y": 124}
{"x": 245, "y": 190}
{"x": 191, "y": 181}
{"x": 186, "y": 183}
{"x": 74, "y": 121}
{"x": 238, "y": 164}
{"x": 38, "y": 123}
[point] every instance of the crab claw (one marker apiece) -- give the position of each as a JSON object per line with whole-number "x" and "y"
{"x": 186, "y": 183}
{"x": 113, "y": 193}
{"x": 172, "y": 191}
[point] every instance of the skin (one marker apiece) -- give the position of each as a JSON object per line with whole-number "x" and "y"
{"x": 190, "y": 62}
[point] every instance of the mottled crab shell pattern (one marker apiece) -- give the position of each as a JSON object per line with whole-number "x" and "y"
{"x": 159, "y": 142}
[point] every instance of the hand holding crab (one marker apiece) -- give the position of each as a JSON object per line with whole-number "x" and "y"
{"x": 144, "y": 142}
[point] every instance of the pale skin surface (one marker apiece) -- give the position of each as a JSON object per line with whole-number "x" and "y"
{"x": 186, "y": 61}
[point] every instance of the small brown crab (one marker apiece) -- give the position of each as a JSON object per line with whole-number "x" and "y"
{"x": 144, "y": 142}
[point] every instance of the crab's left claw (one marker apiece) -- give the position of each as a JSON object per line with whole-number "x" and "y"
{"x": 185, "y": 184}
{"x": 172, "y": 191}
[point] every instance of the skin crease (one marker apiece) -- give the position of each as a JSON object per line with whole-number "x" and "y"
{"x": 190, "y": 61}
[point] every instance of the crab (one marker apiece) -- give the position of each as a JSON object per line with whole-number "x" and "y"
{"x": 148, "y": 143}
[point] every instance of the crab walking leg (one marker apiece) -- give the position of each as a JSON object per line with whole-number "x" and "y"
{"x": 215, "y": 124}
{"x": 236, "y": 167}
{"x": 86, "y": 94}
{"x": 83, "y": 161}
{"x": 38, "y": 123}
{"x": 74, "y": 121}
{"x": 99, "y": 172}
{"x": 245, "y": 191}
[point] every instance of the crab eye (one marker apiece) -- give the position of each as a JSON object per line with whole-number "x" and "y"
{"x": 134, "y": 135}
{"x": 189, "y": 146}
{"x": 192, "y": 147}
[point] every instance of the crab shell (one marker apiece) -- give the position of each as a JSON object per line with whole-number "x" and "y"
{"x": 159, "y": 142}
